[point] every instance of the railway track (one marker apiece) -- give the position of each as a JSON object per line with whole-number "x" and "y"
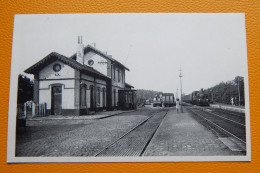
{"x": 230, "y": 113}
{"x": 237, "y": 119}
{"x": 135, "y": 141}
{"x": 224, "y": 125}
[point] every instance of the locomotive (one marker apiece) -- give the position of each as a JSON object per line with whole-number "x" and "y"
{"x": 198, "y": 98}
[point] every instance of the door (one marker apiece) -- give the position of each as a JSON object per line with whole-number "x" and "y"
{"x": 56, "y": 100}
{"x": 91, "y": 98}
{"x": 104, "y": 97}
{"x": 114, "y": 97}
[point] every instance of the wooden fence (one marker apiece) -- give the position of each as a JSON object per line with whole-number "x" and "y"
{"x": 30, "y": 110}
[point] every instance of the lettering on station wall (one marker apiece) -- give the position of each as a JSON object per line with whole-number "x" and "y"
{"x": 102, "y": 62}
{"x": 57, "y": 74}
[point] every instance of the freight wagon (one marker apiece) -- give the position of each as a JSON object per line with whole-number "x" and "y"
{"x": 168, "y": 100}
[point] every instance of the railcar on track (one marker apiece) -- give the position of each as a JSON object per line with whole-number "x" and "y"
{"x": 168, "y": 100}
{"x": 127, "y": 99}
{"x": 198, "y": 98}
{"x": 157, "y": 101}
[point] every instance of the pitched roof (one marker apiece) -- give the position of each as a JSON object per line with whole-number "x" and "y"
{"x": 109, "y": 57}
{"x": 71, "y": 62}
{"x": 128, "y": 85}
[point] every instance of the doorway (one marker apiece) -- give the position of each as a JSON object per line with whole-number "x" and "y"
{"x": 91, "y": 98}
{"x": 104, "y": 98}
{"x": 56, "y": 104}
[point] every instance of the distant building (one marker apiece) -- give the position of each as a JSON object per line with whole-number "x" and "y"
{"x": 87, "y": 81}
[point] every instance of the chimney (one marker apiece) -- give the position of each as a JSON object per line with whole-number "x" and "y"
{"x": 80, "y": 51}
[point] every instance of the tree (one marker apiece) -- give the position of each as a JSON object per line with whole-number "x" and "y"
{"x": 142, "y": 95}
{"x": 224, "y": 91}
{"x": 239, "y": 81}
{"x": 25, "y": 89}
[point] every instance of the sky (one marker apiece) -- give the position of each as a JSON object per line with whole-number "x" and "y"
{"x": 209, "y": 48}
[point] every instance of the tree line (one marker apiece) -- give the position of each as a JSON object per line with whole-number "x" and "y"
{"x": 227, "y": 92}
{"x": 25, "y": 89}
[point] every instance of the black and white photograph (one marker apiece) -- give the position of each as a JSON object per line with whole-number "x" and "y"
{"x": 129, "y": 87}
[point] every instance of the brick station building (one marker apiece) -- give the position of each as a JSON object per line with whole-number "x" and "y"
{"x": 89, "y": 80}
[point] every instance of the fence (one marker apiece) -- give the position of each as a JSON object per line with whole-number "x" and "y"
{"x": 30, "y": 110}
{"x": 20, "y": 111}
{"x": 40, "y": 110}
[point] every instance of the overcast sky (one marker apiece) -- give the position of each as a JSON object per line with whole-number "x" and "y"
{"x": 210, "y": 48}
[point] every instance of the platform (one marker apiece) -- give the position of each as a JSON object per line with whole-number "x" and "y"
{"x": 36, "y": 121}
{"x": 181, "y": 135}
{"x": 240, "y": 109}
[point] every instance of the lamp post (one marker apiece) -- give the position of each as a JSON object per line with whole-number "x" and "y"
{"x": 181, "y": 90}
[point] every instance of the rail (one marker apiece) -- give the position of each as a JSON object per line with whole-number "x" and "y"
{"x": 216, "y": 125}
{"x": 131, "y": 130}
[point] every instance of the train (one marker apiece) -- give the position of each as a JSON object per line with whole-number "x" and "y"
{"x": 164, "y": 99}
{"x": 127, "y": 99}
{"x": 157, "y": 100}
{"x": 168, "y": 100}
{"x": 198, "y": 98}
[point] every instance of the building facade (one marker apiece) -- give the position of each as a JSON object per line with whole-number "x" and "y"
{"x": 88, "y": 81}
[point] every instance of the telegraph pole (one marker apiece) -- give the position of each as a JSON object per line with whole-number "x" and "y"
{"x": 238, "y": 92}
{"x": 177, "y": 93}
{"x": 181, "y": 89}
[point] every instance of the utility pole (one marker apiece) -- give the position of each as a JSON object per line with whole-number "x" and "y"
{"x": 177, "y": 93}
{"x": 181, "y": 89}
{"x": 238, "y": 91}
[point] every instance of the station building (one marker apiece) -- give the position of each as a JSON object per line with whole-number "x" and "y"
{"x": 88, "y": 81}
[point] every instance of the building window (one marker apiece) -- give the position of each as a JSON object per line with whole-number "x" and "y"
{"x": 104, "y": 97}
{"x": 83, "y": 94}
{"x": 123, "y": 77}
{"x": 126, "y": 97}
{"x": 98, "y": 96}
{"x": 56, "y": 67}
{"x": 114, "y": 97}
{"x": 90, "y": 62}
{"x": 114, "y": 73}
{"x": 119, "y": 76}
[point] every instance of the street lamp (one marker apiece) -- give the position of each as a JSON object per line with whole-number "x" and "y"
{"x": 181, "y": 90}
